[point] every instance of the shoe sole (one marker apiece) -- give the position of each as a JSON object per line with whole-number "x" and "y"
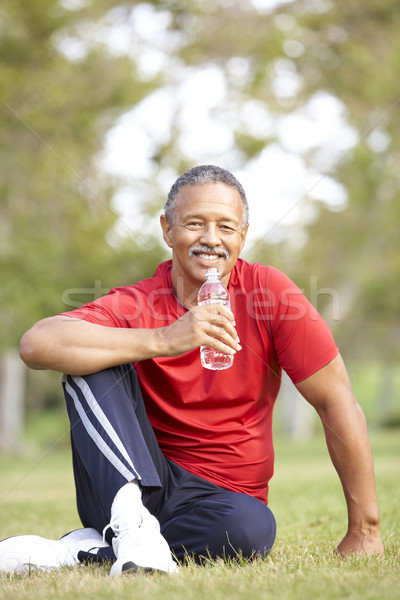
{"x": 131, "y": 568}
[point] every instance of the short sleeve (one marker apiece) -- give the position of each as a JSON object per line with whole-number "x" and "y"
{"x": 302, "y": 340}
{"x": 121, "y": 307}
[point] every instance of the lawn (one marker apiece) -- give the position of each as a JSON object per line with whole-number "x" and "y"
{"x": 37, "y": 496}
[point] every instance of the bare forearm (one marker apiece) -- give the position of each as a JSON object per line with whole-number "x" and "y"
{"x": 78, "y": 347}
{"x": 350, "y": 451}
{"x": 73, "y": 346}
{"x": 329, "y": 391}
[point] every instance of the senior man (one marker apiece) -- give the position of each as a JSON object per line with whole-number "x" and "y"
{"x": 171, "y": 459}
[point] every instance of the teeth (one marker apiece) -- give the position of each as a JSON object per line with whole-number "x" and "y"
{"x": 208, "y": 256}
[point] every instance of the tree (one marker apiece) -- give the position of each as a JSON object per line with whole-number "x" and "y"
{"x": 275, "y": 63}
{"x": 353, "y": 52}
{"x": 282, "y": 61}
{"x": 56, "y": 204}
{"x": 61, "y": 89}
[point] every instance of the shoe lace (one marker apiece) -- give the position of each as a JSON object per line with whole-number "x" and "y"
{"x": 119, "y": 526}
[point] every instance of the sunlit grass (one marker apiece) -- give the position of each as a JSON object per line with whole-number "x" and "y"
{"x": 37, "y": 496}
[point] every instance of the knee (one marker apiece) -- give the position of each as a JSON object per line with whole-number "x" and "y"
{"x": 240, "y": 526}
{"x": 249, "y": 528}
{"x": 228, "y": 526}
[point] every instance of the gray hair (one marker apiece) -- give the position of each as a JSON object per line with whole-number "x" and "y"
{"x": 200, "y": 175}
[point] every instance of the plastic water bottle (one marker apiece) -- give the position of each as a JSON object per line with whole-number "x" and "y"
{"x": 213, "y": 291}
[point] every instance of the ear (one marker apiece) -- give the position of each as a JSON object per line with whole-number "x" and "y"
{"x": 243, "y": 236}
{"x": 167, "y": 231}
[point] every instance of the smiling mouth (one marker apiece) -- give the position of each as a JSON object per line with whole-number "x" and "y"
{"x": 209, "y": 257}
{"x": 209, "y": 254}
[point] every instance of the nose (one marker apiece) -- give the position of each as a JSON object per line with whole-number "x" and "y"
{"x": 210, "y": 235}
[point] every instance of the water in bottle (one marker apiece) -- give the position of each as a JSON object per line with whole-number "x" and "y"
{"x": 213, "y": 291}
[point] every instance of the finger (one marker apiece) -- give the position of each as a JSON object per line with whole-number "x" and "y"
{"x": 221, "y": 309}
{"x": 200, "y": 312}
{"x": 221, "y": 336}
{"x": 220, "y": 346}
{"x": 225, "y": 327}
{"x": 221, "y": 317}
{"x": 218, "y": 326}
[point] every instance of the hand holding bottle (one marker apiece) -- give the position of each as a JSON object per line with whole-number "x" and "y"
{"x": 212, "y": 292}
{"x": 210, "y": 324}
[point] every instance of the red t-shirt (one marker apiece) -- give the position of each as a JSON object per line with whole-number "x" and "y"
{"x": 218, "y": 424}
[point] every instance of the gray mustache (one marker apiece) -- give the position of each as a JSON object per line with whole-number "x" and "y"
{"x": 203, "y": 249}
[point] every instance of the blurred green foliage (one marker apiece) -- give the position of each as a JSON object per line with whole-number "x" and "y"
{"x": 57, "y": 205}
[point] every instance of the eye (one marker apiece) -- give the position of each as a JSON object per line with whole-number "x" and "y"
{"x": 227, "y": 229}
{"x": 193, "y": 224}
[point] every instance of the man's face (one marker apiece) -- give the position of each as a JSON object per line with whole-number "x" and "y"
{"x": 206, "y": 232}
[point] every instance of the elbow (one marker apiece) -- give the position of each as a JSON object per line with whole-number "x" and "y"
{"x": 29, "y": 349}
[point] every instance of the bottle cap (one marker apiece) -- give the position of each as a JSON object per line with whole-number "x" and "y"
{"x": 212, "y": 271}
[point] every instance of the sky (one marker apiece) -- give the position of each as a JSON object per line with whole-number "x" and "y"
{"x": 278, "y": 181}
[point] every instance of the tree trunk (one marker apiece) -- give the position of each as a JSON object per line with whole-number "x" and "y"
{"x": 297, "y": 414}
{"x": 12, "y": 376}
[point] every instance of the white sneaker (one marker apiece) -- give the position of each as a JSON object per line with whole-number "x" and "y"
{"x": 138, "y": 543}
{"x": 140, "y": 546}
{"x": 24, "y": 553}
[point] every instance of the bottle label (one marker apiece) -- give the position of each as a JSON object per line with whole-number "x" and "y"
{"x": 214, "y": 301}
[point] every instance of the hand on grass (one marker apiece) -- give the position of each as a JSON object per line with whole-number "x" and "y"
{"x": 360, "y": 543}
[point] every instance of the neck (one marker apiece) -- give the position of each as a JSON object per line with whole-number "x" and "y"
{"x": 185, "y": 292}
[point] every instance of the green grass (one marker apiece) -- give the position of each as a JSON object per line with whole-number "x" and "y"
{"x": 37, "y": 496}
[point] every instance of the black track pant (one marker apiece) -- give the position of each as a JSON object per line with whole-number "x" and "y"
{"x": 113, "y": 443}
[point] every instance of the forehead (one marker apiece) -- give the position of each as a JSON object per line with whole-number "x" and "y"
{"x": 213, "y": 199}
